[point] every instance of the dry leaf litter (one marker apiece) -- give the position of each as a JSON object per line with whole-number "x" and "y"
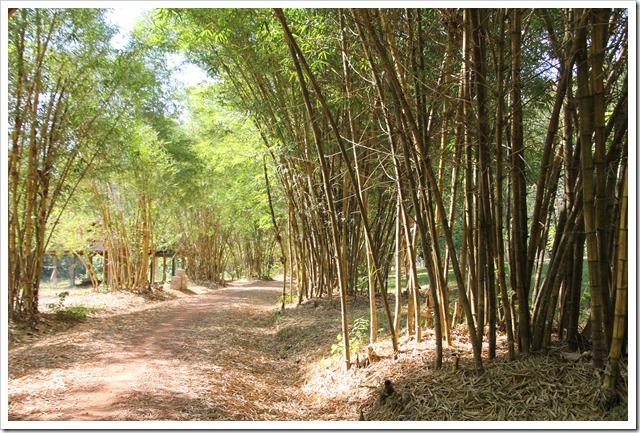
{"x": 230, "y": 354}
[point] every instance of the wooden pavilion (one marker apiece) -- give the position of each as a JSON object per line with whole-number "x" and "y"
{"x": 96, "y": 248}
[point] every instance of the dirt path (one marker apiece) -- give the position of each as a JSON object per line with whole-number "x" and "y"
{"x": 228, "y": 354}
{"x": 213, "y": 356}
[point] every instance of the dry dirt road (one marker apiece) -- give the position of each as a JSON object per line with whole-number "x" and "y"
{"x": 227, "y": 354}
{"x": 210, "y": 356}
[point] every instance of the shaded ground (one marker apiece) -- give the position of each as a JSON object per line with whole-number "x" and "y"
{"x": 229, "y": 354}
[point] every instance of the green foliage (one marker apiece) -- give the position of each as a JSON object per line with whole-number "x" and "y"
{"x": 277, "y": 317}
{"x": 211, "y": 163}
{"x": 76, "y": 312}
{"x": 288, "y": 298}
{"x": 537, "y": 360}
{"x": 357, "y": 335}
{"x": 63, "y": 78}
{"x": 193, "y": 157}
{"x": 71, "y": 312}
{"x": 223, "y": 174}
{"x": 61, "y": 298}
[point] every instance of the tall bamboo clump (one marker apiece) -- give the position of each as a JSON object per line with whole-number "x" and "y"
{"x": 127, "y": 233}
{"x": 56, "y": 128}
{"x": 203, "y": 243}
{"x": 457, "y": 137}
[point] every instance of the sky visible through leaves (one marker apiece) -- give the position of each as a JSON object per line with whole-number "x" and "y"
{"x": 126, "y": 17}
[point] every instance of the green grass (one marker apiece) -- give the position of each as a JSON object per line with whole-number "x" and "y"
{"x": 423, "y": 280}
{"x": 64, "y": 285}
{"x": 423, "y": 277}
{"x": 288, "y": 298}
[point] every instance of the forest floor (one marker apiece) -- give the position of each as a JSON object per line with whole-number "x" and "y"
{"x": 231, "y": 354}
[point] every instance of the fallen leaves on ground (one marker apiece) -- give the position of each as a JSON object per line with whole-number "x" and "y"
{"x": 231, "y": 354}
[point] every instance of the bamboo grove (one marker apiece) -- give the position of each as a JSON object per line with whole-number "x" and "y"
{"x": 100, "y": 157}
{"x": 57, "y": 123}
{"x": 489, "y": 144}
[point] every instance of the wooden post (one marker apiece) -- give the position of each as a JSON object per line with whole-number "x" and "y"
{"x": 152, "y": 271}
{"x": 105, "y": 269}
{"x": 173, "y": 266}
{"x": 72, "y": 271}
{"x": 54, "y": 273}
{"x": 164, "y": 268}
{"x": 90, "y": 261}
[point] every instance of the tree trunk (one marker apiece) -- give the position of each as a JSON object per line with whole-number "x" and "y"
{"x": 519, "y": 231}
{"x": 599, "y": 39}
{"x": 327, "y": 185}
{"x": 620, "y": 318}
{"x": 500, "y": 262}
{"x": 283, "y": 256}
{"x": 585, "y": 100}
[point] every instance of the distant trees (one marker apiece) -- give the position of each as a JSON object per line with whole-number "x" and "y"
{"x": 219, "y": 201}
{"x": 96, "y": 149}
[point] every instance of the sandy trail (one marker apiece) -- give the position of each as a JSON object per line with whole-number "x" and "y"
{"x": 214, "y": 356}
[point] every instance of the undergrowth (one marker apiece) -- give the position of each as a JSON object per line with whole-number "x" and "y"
{"x": 76, "y": 312}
